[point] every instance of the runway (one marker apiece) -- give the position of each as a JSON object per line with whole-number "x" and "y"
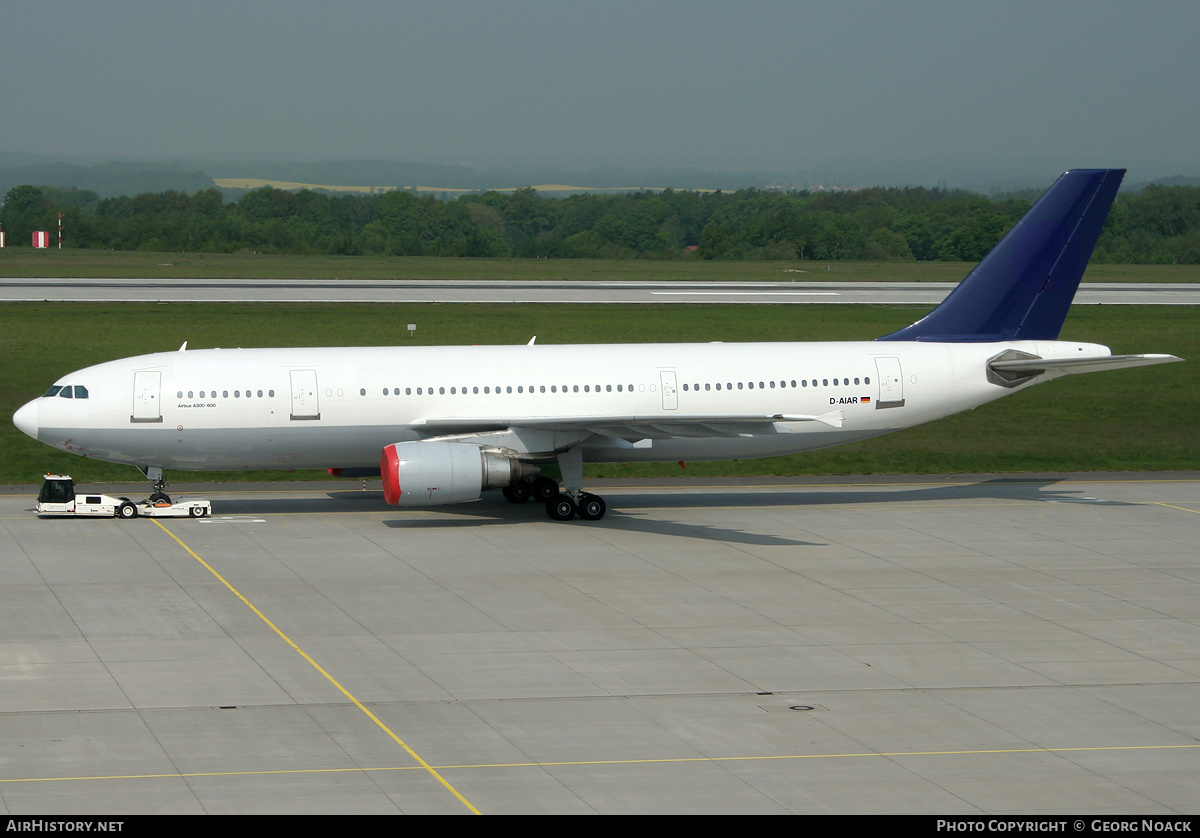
{"x": 950, "y": 645}
{"x": 547, "y": 291}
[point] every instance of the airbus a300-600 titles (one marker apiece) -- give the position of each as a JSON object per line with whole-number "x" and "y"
{"x": 444, "y": 424}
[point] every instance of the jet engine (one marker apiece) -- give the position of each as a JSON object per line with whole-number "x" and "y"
{"x": 432, "y": 473}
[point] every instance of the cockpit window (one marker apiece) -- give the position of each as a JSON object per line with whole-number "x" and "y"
{"x": 70, "y": 391}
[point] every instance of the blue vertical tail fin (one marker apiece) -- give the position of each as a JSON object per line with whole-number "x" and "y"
{"x": 1024, "y": 287}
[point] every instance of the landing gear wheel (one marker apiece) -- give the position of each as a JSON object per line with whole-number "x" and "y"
{"x": 517, "y": 492}
{"x": 127, "y": 510}
{"x": 160, "y": 497}
{"x": 196, "y": 512}
{"x": 591, "y": 507}
{"x": 544, "y": 489}
{"x": 561, "y": 508}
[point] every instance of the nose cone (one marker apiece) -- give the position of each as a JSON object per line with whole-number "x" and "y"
{"x": 27, "y": 419}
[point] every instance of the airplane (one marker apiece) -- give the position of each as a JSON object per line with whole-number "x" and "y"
{"x": 444, "y": 424}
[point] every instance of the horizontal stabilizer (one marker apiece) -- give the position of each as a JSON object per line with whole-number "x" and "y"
{"x": 1067, "y": 366}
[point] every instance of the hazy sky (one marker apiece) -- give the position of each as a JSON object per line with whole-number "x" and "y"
{"x": 1018, "y": 88}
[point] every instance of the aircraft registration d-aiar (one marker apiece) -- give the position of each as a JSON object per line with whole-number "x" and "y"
{"x": 444, "y": 424}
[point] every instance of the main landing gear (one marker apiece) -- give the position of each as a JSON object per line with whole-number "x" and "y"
{"x": 565, "y": 504}
{"x": 587, "y": 506}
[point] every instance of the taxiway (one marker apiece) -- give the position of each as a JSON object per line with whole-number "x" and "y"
{"x": 956, "y": 645}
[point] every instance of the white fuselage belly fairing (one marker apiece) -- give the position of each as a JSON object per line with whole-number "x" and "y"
{"x": 338, "y": 407}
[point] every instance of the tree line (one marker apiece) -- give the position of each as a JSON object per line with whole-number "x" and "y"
{"x": 1157, "y": 225}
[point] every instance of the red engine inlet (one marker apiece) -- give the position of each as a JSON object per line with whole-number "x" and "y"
{"x": 389, "y": 471}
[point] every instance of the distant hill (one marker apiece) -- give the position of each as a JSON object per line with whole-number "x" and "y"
{"x": 369, "y": 175}
{"x": 112, "y": 179}
{"x": 108, "y": 180}
{"x": 235, "y": 187}
{"x": 1175, "y": 180}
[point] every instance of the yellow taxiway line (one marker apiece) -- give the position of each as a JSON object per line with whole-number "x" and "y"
{"x": 425, "y": 765}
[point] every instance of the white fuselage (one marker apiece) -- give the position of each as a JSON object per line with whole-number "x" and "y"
{"x": 338, "y": 407}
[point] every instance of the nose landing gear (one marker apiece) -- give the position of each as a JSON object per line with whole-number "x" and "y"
{"x": 155, "y": 474}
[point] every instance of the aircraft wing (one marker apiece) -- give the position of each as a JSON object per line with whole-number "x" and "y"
{"x": 660, "y": 426}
